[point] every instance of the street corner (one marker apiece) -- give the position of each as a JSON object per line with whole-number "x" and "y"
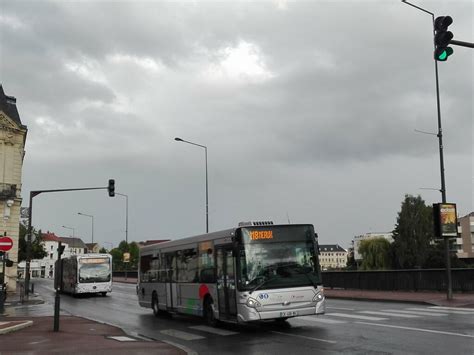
{"x": 12, "y": 326}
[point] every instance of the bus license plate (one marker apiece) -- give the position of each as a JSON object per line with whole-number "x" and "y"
{"x": 288, "y": 314}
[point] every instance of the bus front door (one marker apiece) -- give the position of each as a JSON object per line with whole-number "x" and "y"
{"x": 226, "y": 283}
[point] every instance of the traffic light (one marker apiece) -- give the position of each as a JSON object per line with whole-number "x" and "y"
{"x": 111, "y": 188}
{"x": 442, "y": 38}
{"x": 60, "y": 250}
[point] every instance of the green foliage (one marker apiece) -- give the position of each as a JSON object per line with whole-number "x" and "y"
{"x": 37, "y": 250}
{"x": 414, "y": 243}
{"x": 103, "y": 250}
{"x": 375, "y": 254}
{"x": 351, "y": 263}
{"x": 117, "y": 256}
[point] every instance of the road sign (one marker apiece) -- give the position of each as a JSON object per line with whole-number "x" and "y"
{"x": 6, "y": 243}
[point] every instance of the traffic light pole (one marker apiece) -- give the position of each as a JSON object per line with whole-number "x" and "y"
{"x": 441, "y": 158}
{"x": 30, "y": 228}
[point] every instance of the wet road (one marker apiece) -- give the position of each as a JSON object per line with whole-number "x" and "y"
{"x": 353, "y": 327}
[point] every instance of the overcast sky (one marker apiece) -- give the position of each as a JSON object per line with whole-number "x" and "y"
{"x": 308, "y": 110}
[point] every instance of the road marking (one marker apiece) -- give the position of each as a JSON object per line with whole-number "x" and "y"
{"x": 181, "y": 335}
{"x": 442, "y": 311}
{"x": 420, "y": 313}
{"x": 122, "y": 338}
{"x": 205, "y": 328}
{"x": 304, "y": 337}
{"x": 344, "y": 309}
{"x": 355, "y": 316}
{"x": 453, "y": 308}
{"x": 390, "y": 314}
{"x": 320, "y": 320}
{"x": 418, "y": 329}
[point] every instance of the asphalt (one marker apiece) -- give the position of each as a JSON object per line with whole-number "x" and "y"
{"x": 76, "y": 335}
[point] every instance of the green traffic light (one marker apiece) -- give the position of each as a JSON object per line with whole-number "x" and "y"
{"x": 443, "y": 56}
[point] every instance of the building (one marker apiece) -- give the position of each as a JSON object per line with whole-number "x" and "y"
{"x": 332, "y": 256}
{"x": 92, "y": 248}
{"x": 371, "y": 235}
{"x": 45, "y": 267}
{"x": 465, "y": 238}
{"x": 12, "y": 153}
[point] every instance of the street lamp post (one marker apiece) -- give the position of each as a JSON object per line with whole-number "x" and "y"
{"x": 92, "y": 217}
{"x": 207, "y": 194}
{"x": 441, "y": 159}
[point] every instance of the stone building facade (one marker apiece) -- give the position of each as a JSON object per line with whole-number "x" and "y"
{"x": 12, "y": 153}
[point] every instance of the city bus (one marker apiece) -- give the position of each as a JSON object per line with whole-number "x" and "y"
{"x": 85, "y": 274}
{"x": 256, "y": 271}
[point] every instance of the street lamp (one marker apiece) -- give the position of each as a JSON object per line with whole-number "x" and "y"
{"x": 73, "y": 230}
{"x": 441, "y": 159}
{"x": 92, "y": 217}
{"x": 126, "y": 215}
{"x": 207, "y": 195}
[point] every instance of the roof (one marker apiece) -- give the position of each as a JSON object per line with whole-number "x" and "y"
{"x": 73, "y": 242}
{"x": 331, "y": 247}
{"x": 8, "y": 106}
{"x": 50, "y": 237}
{"x": 91, "y": 245}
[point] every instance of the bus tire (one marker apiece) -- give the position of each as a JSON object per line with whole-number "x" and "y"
{"x": 208, "y": 312}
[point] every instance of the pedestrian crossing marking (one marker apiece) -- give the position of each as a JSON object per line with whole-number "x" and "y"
{"x": 355, "y": 316}
{"x": 420, "y": 313}
{"x": 321, "y": 320}
{"x": 454, "y": 308}
{"x": 390, "y": 314}
{"x": 205, "y": 328}
{"x": 122, "y": 338}
{"x": 442, "y": 311}
{"x": 181, "y": 335}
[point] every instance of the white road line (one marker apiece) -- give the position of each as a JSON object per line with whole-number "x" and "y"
{"x": 445, "y": 311}
{"x": 390, "y": 314}
{"x": 420, "y": 313}
{"x": 344, "y": 309}
{"x": 305, "y": 337}
{"x": 355, "y": 316}
{"x": 454, "y": 308}
{"x": 320, "y": 320}
{"x": 418, "y": 329}
{"x": 181, "y": 335}
{"x": 205, "y": 328}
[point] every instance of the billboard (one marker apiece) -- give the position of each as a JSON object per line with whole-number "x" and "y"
{"x": 445, "y": 219}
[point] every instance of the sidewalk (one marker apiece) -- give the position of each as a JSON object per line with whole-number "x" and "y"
{"x": 76, "y": 335}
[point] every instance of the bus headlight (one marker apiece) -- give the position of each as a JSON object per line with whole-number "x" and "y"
{"x": 318, "y": 298}
{"x": 253, "y": 303}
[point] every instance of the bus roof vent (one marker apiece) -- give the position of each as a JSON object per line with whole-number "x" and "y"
{"x": 255, "y": 223}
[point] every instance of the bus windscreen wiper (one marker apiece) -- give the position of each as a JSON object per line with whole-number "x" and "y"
{"x": 261, "y": 284}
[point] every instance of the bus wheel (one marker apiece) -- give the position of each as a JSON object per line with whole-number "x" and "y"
{"x": 208, "y": 313}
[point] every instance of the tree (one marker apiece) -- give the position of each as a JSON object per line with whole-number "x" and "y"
{"x": 37, "y": 249}
{"x": 413, "y": 233}
{"x": 375, "y": 254}
{"x": 103, "y": 250}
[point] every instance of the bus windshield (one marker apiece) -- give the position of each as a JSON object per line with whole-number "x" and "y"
{"x": 94, "y": 270}
{"x": 278, "y": 257}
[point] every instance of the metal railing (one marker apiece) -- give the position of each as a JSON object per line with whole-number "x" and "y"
{"x": 400, "y": 280}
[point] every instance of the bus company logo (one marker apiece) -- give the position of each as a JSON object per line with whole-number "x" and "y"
{"x": 257, "y": 235}
{"x": 263, "y": 296}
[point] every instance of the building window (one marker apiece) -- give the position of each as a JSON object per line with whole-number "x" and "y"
{"x": 51, "y": 256}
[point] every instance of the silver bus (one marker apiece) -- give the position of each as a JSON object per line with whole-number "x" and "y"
{"x": 88, "y": 273}
{"x": 256, "y": 271}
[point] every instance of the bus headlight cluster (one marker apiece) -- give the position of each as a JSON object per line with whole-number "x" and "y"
{"x": 319, "y": 297}
{"x": 252, "y": 302}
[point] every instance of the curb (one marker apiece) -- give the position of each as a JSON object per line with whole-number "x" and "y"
{"x": 15, "y": 327}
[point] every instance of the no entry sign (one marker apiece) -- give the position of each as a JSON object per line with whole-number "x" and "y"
{"x": 6, "y": 243}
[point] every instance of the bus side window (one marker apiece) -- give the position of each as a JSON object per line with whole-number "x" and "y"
{"x": 206, "y": 263}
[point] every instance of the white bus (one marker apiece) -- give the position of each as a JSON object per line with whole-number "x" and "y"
{"x": 88, "y": 273}
{"x": 257, "y": 271}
